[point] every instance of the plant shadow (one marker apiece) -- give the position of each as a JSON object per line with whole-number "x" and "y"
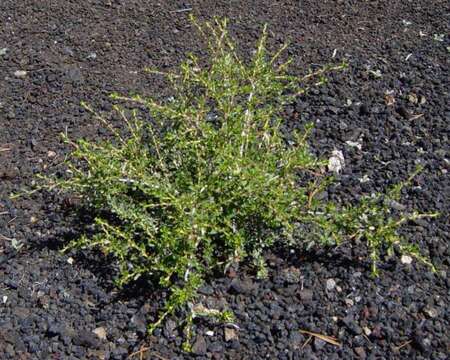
{"x": 76, "y": 222}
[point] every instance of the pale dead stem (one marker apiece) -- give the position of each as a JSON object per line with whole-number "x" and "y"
{"x": 415, "y": 117}
{"x": 6, "y": 238}
{"x": 404, "y": 344}
{"x": 142, "y": 351}
{"x": 326, "y": 338}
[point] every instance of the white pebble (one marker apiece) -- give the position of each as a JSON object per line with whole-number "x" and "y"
{"x": 20, "y": 73}
{"x": 336, "y": 162}
{"x": 431, "y": 312}
{"x": 100, "y": 332}
{"x": 349, "y": 302}
{"x": 405, "y": 259}
{"x": 364, "y": 179}
{"x": 230, "y": 334}
{"x": 355, "y": 144}
{"x": 331, "y": 284}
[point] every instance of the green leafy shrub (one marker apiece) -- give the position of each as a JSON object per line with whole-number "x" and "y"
{"x": 209, "y": 179}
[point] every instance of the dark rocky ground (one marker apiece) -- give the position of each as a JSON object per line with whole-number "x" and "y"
{"x": 50, "y": 304}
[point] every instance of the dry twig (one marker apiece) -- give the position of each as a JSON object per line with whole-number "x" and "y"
{"x": 6, "y": 238}
{"x": 415, "y": 117}
{"x": 307, "y": 342}
{"x": 326, "y": 338}
{"x": 182, "y": 10}
{"x": 142, "y": 351}
{"x": 404, "y": 344}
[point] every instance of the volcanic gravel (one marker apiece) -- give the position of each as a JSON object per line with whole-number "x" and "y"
{"x": 387, "y": 113}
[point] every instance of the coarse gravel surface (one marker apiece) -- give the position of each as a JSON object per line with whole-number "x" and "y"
{"x": 387, "y": 113}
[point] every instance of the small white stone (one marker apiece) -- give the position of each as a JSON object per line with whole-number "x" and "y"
{"x": 336, "y": 162}
{"x": 100, "y": 332}
{"x": 338, "y": 289}
{"x": 405, "y": 259}
{"x": 376, "y": 73}
{"x": 70, "y": 260}
{"x": 20, "y": 73}
{"x": 431, "y": 312}
{"x": 230, "y": 334}
{"x": 364, "y": 179}
{"x": 331, "y": 284}
{"x": 5, "y": 299}
{"x": 349, "y": 302}
{"x": 51, "y": 154}
{"x": 412, "y": 98}
{"x": 209, "y": 333}
{"x": 355, "y": 144}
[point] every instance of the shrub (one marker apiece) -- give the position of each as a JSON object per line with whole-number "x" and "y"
{"x": 208, "y": 179}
